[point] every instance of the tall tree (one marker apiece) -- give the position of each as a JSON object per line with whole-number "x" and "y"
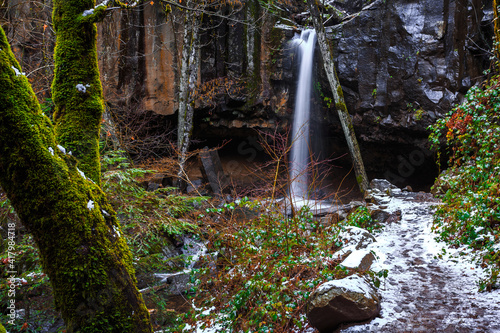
{"x": 338, "y": 95}
{"x": 188, "y": 79}
{"x": 72, "y": 223}
{"x": 193, "y": 13}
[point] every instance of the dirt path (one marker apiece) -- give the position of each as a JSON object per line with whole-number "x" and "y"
{"x": 424, "y": 293}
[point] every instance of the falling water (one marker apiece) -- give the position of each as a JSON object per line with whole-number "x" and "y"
{"x": 300, "y": 133}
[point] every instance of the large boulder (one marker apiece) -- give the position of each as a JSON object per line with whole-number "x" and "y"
{"x": 336, "y": 302}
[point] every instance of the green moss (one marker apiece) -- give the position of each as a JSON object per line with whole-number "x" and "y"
{"x": 2, "y": 329}
{"x": 88, "y": 263}
{"x": 359, "y": 179}
{"x": 76, "y": 89}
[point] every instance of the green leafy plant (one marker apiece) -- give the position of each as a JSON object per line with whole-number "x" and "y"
{"x": 261, "y": 264}
{"x": 470, "y": 135}
{"x": 267, "y": 267}
{"x": 361, "y": 218}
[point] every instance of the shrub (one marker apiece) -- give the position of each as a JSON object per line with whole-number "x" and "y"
{"x": 470, "y": 134}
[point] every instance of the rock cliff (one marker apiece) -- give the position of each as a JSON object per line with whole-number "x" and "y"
{"x": 402, "y": 64}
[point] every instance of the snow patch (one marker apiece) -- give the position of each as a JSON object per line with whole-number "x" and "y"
{"x": 17, "y": 71}
{"x": 90, "y": 205}
{"x": 88, "y": 12}
{"x": 355, "y": 258}
{"x": 51, "y": 150}
{"x": 81, "y": 173}
{"x": 353, "y": 283}
{"x": 62, "y": 149}
{"x": 82, "y": 88}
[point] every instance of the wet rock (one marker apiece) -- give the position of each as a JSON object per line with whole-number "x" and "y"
{"x": 408, "y": 188}
{"x": 378, "y": 214}
{"x": 194, "y": 185}
{"x": 337, "y": 302}
{"x": 211, "y": 168}
{"x": 376, "y": 197}
{"x": 382, "y": 185}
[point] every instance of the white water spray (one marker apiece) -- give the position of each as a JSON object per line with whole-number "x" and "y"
{"x": 300, "y": 133}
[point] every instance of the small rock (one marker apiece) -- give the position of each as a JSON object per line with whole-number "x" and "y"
{"x": 382, "y": 185}
{"x": 194, "y": 185}
{"x": 408, "y": 188}
{"x": 153, "y": 186}
{"x": 336, "y": 302}
{"x": 356, "y": 204}
{"x": 360, "y": 260}
{"x": 379, "y": 214}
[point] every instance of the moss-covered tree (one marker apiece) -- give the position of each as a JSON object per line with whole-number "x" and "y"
{"x": 72, "y": 223}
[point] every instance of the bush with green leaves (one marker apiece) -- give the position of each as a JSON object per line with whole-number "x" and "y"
{"x": 470, "y": 135}
{"x": 261, "y": 270}
{"x": 361, "y": 218}
{"x": 146, "y": 216}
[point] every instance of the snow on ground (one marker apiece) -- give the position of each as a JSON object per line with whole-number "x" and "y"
{"x": 422, "y": 292}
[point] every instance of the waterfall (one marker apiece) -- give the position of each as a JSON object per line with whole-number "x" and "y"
{"x": 299, "y": 159}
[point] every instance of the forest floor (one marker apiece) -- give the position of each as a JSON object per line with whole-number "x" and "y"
{"x": 430, "y": 287}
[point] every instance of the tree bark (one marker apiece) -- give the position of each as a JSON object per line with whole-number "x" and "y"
{"x": 338, "y": 95}
{"x": 189, "y": 76}
{"x": 75, "y": 228}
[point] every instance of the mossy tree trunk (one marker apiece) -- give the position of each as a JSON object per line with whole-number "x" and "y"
{"x": 76, "y": 88}
{"x": 338, "y": 95}
{"x": 72, "y": 223}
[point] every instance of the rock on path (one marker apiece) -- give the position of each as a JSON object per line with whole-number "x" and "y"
{"x": 422, "y": 293}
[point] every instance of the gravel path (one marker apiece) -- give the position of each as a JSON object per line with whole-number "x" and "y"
{"x": 422, "y": 292}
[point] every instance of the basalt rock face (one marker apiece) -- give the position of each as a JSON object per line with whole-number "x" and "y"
{"x": 137, "y": 56}
{"x": 402, "y": 64}
{"x": 240, "y": 74}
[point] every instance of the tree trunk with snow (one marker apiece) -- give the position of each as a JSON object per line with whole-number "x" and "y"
{"x": 187, "y": 84}
{"x": 74, "y": 226}
{"x": 338, "y": 95}
{"x": 76, "y": 88}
